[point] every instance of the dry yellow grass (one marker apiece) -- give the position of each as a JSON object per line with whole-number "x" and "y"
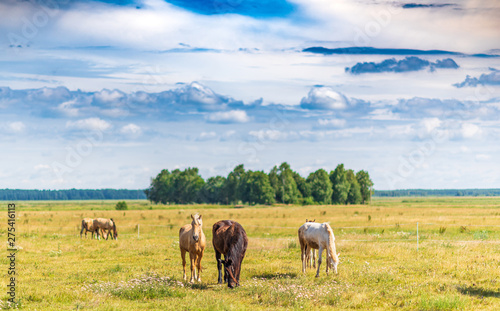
{"x": 457, "y": 266}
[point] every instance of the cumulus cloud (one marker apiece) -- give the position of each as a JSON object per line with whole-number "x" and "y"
{"x": 130, "y": 129}
{"x": 411, "y": 63}
{"x": 492, "y": 78}
{"x": 233, "y": 116}
{"x": 324, "y": 98}
{"x": 470, "y": 130}
{"x": 90, "y": 124}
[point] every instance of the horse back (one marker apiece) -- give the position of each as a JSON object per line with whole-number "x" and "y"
{"x": 228, "y": 234}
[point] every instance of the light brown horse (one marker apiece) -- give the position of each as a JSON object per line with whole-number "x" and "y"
{"x": 192, "y": 240}
{"x": 88, "y": 225}
{"x": 106, "y": 225}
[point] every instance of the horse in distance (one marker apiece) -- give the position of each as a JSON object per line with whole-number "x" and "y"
{"x": 229, "y": 238}
{"x": 88, "y": 225}
{"x": 107, "y": 226}
{"x": 318, "y": 236}
{"x": 192, "y": 240}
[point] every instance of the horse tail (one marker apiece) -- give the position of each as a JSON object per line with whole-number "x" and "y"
{"x": 331, "y": 244}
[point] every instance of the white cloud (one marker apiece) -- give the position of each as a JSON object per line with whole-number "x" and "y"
{"x": 109, "y": 96}
{"x": 332, "y": 122}
{"x": 90, "y": 124}
{"x": 16, "y": 127}
{"x": 207, "y": 135}
{"x": 130, "y": 129}
{"x": 430, "y": 124}
{"x": 233, "y": 116}
{"x": 470, "y": 130}
{"x": 263, "y": 135}
{"x": 324, "y": 98}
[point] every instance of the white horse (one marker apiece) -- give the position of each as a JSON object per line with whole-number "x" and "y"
{"x": 318, "y": 236}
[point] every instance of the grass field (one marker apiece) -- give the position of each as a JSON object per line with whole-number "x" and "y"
{"x": 456, "y": 267}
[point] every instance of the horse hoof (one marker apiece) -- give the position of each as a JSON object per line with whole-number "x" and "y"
{"x": 317, "y": 275}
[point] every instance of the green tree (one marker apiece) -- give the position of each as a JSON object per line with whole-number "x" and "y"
{"x": 256, "y": 188}
{"x": 213, "y": 190}
{"x": 302, "y": 185}
{"x": 161, "y": 188}
{"x": 354, "y": 195}
{"x": 321, "y": 187}
{"x": 232, "y": 186}
{"x": 366, "y": 186}
{"x": 340, "y": 184}
{"x": 284, "y": 185}
{"x": 187, "y": 185}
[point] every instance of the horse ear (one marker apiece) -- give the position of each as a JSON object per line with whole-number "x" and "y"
{"x": 314, "y": 220}
{"x": 192, "y": 217}
{"x": 199, "y": 217}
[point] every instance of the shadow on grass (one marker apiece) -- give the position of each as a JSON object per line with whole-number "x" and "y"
{"x": 478, "y": 291}
{"x": 198, "y": 286}
{"x": 272, "y": 276}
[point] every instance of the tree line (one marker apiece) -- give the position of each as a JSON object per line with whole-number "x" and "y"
{"x": 71, "y": 194}
{"x": 437, "y": 192}
{"x": 281, "y": 185}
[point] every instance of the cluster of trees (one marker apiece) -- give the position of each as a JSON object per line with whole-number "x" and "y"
{"x": 437, "y": 192}
{"x": 282, "y": 185}
{"x": 71, "y": 194}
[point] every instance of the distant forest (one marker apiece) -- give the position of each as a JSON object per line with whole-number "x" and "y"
{"x": 71, "y": 194}
{"x": 437, "y": 193}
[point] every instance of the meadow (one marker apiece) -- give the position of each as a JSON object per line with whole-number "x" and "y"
{"x": 456, "y": 266}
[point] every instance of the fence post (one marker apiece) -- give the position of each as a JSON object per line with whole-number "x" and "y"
{"x": 138, "y": 230}
{"x": 417, "y": 236}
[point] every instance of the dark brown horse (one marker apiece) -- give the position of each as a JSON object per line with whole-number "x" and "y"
{"x": 229, "y": 238}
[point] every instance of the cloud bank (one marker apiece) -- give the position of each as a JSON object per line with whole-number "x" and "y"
{"x": 411, "y": 63}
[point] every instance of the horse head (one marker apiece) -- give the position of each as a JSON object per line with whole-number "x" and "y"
{"x": 334, "y": 262}
{"x": 229, "y": 268}
{"x": 197, "y": 223}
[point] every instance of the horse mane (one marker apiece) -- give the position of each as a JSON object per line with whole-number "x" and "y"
{"x": 331, "y": 243}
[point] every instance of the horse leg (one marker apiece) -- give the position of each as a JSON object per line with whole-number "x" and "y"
{"x": 314, "y": 257}
{"x": 198, "y": 265}
{"x": 183, "y": 256}
{"x": 302, "y": 256}
{"x": 320, "y": 251}
{"x": 219, "y": 266}
{"x": 193, "y": 264}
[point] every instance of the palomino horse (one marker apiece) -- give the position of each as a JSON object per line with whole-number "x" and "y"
{"x": 311, "y": 262}
{"x": 106, "y": 225}
{"x": 192, "y": 240}
{"x": 229, "y": 238}
{"x": 88, "y": 225}
{"x": 318, "y": 236}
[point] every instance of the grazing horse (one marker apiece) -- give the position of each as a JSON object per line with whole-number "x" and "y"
{"x": 318, "y": 236}
{"x": 230, "y": 239}
{"x": 308, "y": 253}
{"x": 192, "y": 240}
{"x": 106, "y": 225}
{"x": 88, "y": 225}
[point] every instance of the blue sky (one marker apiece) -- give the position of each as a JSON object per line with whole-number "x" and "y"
{"x": 97, "y": 94}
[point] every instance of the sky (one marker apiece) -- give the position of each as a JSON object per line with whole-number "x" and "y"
{"x": 106, "y": 94}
